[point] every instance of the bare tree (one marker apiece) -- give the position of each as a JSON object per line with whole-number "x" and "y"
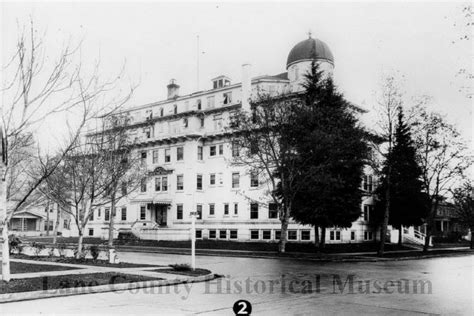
{"x": 259, "y": 145}
{"x": 388, "y": 102}
{"x": 35, "y": 90}
{"x": 464, "y": 201}
{"x": 443, "y": 157}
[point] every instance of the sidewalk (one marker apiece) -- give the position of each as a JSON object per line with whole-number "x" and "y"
{"x": 167, "y": 279}
{"x": 346, "y": 256}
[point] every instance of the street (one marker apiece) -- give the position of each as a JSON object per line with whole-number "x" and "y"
{"x": 441, "y": 286}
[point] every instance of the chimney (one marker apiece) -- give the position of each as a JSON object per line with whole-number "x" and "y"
{"x": 246, "y": 87}
{"x": 173, "y": 89}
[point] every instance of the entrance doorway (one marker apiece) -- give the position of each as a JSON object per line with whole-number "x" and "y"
{"x": 161, "y": 214}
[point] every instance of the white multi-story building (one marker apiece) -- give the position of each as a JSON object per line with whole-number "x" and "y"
{"x": 184, "y": 142}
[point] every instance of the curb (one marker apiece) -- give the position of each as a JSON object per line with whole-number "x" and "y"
{"x": 301, "y": 257}
{"x": 35, "y": 295}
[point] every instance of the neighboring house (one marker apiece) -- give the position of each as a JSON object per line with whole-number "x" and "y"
{"x": 184, "y": 142}
{"x": 446, "y": 221}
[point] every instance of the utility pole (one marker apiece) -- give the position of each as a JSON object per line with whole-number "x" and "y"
{"x": 193, "y": 239}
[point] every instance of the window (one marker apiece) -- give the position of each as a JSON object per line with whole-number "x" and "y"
{"x": 223, "y": 234}
{"x": 185, "y": 123}
{"x": 233, "y": 234}
{"x": 227, "y": 98}
{"x": 235, "y": 180}
{"x": 212, "y": 233}
{"x": 180, "y": 182}
{"x": 266, "y": 234}
{"x": 143, "y": 185}
{"x": 254, "y": 179}
{"x": 123, "y": 188}
{"x": 179, "y": 211}
{"x": 212, "y": 209}
{"x": 142, "y": 212}
{"x": 221, "y": 149}
{"x": 199, "y": 152}
{"x": 202, "y": 121}
{"x": 212, "y": 151}
{"x": 235, "y": 149}
{"x": 305, "y": 235}
{"x": 161, "y": 112}
{"x": 167, "y": 155}
{"x": 212, "y": 179}
{"x": 98, "y": 213}
{"x": 367, "y": 183}
{"x": 175, "y": 109}
{"x": 91, "y": 232}
{"x": 253, "y": 147}
{"x": 155, "y": 156}
{"x": 292, "y": 235}
{"x": 179, "y": 153}
{"x": 66, "y": 224}
{"x": 254, "y": 211}
{"x": 210, "y": 102}
{"x": 367, "y": 211}
{"x": 353, "y": 235}
{"x": 198, "y": 233}
{"x": 236, "y": 208}
{"x": 254, "y": 234}
{"x": 91, "y": 216}
{"x": 158, "y": 184}
{"x": 107, "y": 214}
{"x": 226, "y": 209}
{"x": 296, "y": 73}
{"x": 272, "y": 210}
{"x": 217, "y": 122}
{"x": 199, "y": 211}
{"x": 147, "y": 132}
{"x": 368, "y": 235}
{"x": 277, "y": 234}
{"x": 143, "y": 157}
{"x": 198, "y": 102}
{"x": 199, "y": 182}
{"x": 334, "y": 235}
{"x": 124, "y": 214}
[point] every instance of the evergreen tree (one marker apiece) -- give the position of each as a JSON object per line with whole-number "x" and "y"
{"x": 407, "y": 199}
{"x": 331, "y": 153}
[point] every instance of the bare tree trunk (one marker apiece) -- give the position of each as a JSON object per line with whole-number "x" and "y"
{"x": 79, "y": 244}
{"x": 47, "y": 219}
{"x": 56, "y": 225}
{"x": 316, "y": 237}
{"x": 111, "y": 222}
{"x": 322, "y": 244}
{"x": 284, "y": 230}
{"x": 383, "y": 230}
{"x": 5, "y": 253}
{"x": 400, "y": 234}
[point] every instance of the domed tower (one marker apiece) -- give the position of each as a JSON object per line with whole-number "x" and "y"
{"x": 300, "y": 58}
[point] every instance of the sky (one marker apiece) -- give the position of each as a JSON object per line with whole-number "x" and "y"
{"x": 157, "y": 41}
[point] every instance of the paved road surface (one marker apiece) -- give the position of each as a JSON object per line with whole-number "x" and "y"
{"x": 288, "y": 287}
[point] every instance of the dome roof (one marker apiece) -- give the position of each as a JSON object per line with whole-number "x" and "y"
{"x": 309, "y": 49}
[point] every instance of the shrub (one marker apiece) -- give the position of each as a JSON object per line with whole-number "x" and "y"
{"x": 94, "y": 251}
{"x": 61, "y": 249}
{"x": 125, "y": 237}
{"x": 181, "y": 267}
{"x": 14, "y": 243}
{"x": 37, "y": 248}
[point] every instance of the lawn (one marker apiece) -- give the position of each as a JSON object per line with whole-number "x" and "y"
{"x": 90, "y": 262}
{"x": 20, "y": 267}
{"x": 78, "y": 282}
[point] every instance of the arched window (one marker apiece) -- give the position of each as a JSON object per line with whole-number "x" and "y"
{"x": 175, "y": 110}
{"x": 161, "y": 112}
{"x": 296, "y": 73}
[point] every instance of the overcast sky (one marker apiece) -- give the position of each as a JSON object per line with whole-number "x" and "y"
{"x": 368, "y": 40}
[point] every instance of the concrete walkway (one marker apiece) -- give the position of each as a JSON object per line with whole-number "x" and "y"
{"x": 85, "y": 269}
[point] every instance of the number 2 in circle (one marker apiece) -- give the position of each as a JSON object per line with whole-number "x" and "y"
{"x": 242, "y": 307}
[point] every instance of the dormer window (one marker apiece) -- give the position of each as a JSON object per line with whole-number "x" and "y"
{"x": 220, "y": 82}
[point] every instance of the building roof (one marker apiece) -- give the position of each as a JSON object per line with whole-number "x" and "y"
{"x": 309, "y": 49}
